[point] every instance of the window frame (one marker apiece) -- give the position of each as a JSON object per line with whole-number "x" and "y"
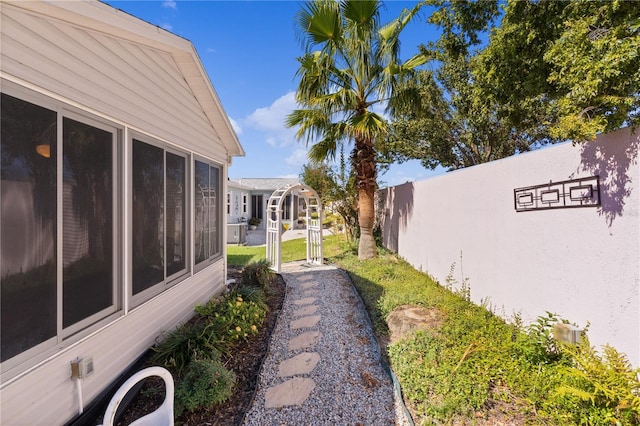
{"x": 245, "y": 199}
{"x": 67, "y": 336}
{"x": 116, "y": 236}
{"x": 136, "y": 300}
{"x": 211, "y": 259}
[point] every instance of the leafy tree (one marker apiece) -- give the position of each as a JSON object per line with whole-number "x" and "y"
{"x": 337, "y": 190}
{"x": 355, "y": 68}
{"x": 457, "y": 123}
{"x": 319, "y": 176}
{"x": 577, "y": 60}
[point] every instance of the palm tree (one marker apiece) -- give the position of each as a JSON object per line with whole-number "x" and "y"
{"x": 351, "y": 64}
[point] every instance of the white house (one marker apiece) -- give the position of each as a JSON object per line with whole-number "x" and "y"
{"x": 115, "y": 150}
{"x": 248, "y": 197}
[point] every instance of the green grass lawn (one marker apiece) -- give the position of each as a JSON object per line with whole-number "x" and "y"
{"x": 292, "y": 250}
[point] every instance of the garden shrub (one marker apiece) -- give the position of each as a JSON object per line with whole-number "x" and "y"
{"x": 232, "y": 319}
{"x": 258, "y": 274}
{"x": 597, "y": 389}
{"x": 178, "y": 347}
{"x": 205, "y": 383}
{"x": 251, "y": 294}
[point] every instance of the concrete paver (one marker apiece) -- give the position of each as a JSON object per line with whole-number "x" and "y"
{"x": 307, "y": 310}
{"x": 300, "y": 364}
{"x": 305, "y": 340}
{"x": 305, "y": 301}
{"x": 305, "y": 322}
{"x": 291, "y": 392}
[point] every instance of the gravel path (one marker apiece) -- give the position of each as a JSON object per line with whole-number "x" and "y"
{"x": 323, "y": 366}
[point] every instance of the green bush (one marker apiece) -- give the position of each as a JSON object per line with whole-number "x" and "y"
{"x": 233, "y": 319}
{"x": 251, "y": 294}
{"x": 258, "y": 274}
{"x": 597, "y": 389}
{"x": 205, "y": 383}
{"x": 178, "y": 347}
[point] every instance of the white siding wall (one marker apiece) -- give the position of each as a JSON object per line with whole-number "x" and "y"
{"x": 48, "y": 396}
{"x": 136, "y": 85}
{"x": 139, "y": 88}
{"x": 581, "y": 263}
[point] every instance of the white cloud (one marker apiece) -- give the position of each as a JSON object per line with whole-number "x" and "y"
{"x": 270, "y": 120}
{"x": 169, "y": 4}
{"x": 297, "y": 158}
{"x": 236, "y": 126}
{"x": 166, "y": 26}
{"x": 271, "y": 141}
{"x": 289, "y": 176}
{"x": 211, "y": 50}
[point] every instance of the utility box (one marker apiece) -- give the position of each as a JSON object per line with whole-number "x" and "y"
{"x": 236, "y": 233}
{"x": 567, "y": 333}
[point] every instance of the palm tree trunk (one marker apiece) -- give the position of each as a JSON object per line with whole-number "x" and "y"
{"x": 367, "y": 245}
{"x": 365, "y": 165}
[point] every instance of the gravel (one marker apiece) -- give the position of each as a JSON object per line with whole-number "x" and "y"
{"x": 352, "y": 387}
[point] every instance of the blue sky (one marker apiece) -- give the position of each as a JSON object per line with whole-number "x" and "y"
{"x": 249, "y": 50}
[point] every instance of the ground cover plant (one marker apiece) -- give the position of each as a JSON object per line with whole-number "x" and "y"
{"x": 474, "y": 368}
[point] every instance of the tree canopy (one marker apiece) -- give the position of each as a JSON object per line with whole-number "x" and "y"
{"x": 550, "y": 71}
{"x": 578, "y": 61}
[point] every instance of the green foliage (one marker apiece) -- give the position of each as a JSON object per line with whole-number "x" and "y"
{"x": 535, "y": 343}
{"x": 474, "y": 360}
{"x": 234, "y": 319}
{"x": 320, "y": 177}
{"x": 178, "y": 347}
{"x": 250, "y": 293}
{"x": 575, "y": 61}
{"x": 192, "y": 351}
{"x": 599, "y": 389}
{"x": 258, "y": 274}
{"x": 455, "y": 123}
{"x": 206, "y": 382}
{"x": 291, "y": 250}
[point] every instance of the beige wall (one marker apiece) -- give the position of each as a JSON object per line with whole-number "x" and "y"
{"x": 581, "y": 263}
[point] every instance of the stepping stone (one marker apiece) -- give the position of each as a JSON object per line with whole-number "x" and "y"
{"x": 307, "y": 310}
{"x": 309, "y": 293}
{"x": 305, "y": 301}
{"x": 299, "y": 364}
{"x": 292, "y": 392}
{"x": 306, "y": 286}
{"x": 305, "y": 340}
{"x": 305, "y": 322}
{"x": 304, "y": 277}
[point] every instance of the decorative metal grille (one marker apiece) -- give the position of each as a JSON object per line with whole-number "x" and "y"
{"x": 582, "y": 192}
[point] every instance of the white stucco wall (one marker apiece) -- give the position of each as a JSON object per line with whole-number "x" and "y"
{"x": 581, "y": 263}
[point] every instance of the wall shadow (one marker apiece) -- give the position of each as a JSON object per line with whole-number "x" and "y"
{"x": 611, "y": 158}
{"x": 396, "y": 208}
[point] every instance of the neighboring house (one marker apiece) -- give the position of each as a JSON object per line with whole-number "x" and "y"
{"x": 248, "y": 197}
{"x": 115, "y": 152}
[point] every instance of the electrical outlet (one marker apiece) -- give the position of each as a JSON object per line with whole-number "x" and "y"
{"x": 81, "y": 368}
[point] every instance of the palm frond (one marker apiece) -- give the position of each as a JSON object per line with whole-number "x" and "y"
{"x": 368, "y": 125}
{"x": 320, "y": 21}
